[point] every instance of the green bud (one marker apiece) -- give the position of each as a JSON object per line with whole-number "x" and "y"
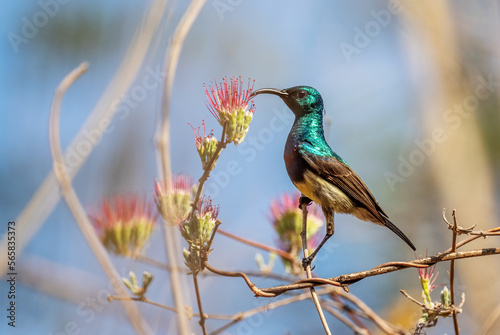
{"x": 446, "y": 297}
{"x": 146, "y": 280}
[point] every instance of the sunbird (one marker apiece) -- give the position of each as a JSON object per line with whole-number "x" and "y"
{"x": 318, "y": 172}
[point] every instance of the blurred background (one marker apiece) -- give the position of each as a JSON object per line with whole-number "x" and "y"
{"x": 411, "y": 93}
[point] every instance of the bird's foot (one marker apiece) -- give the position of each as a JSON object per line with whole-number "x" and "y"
{"x": 307, "y": 262}
{"x": 304, "y": 200}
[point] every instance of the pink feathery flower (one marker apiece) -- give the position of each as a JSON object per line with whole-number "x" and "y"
{"x": 286, "y": 218}
{"x": 230, "y": 104}
{"x": 124, "y": 223}
{"x": 206, "y": 145}
{"x": 174, "y": 205}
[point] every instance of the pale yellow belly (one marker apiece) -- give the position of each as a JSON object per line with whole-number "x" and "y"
{"x": 325, "y": 194}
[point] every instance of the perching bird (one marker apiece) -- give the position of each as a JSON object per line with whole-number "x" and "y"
{"x": 318, "y": 172}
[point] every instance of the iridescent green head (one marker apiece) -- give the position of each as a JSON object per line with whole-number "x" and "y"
{"x": 302, "y": 100}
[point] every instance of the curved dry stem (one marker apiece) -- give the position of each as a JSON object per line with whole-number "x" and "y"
{"x": 452, "y": 271}
{"x": 353, "y": 277}
{"x": 257, "y": 291}
{"x": 369, "y": 313}
{"x": 243, "y": 315}
{"x": 171, "y": 60}
{"x": 258, "y": 245}
{"x": 76, "y": 207}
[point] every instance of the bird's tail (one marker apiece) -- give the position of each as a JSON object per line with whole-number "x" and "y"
{"x": 398, "y": 232}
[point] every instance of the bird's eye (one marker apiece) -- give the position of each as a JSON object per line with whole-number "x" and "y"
{"x": 301, "y": 94}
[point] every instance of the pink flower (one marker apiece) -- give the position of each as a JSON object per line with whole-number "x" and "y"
{"x": 174, "y": 205}
{"x": 427, "y": 279}
{"x": 427, "y": 275}
{"x": 230, "y": 104}
{"x": 206, "y": 206}
{"x": 206, "y": 145}
{"x": 197, "y": 229}
{"x": 286, "y": 218}
{"x": 124, "y": 223}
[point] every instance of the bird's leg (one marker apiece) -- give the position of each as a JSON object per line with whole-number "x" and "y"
{"x": 304, "y": 200}
{"x": 329, "y": 232}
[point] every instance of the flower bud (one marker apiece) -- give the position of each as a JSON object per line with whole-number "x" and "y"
{"x": 124, "y": 224}
{"x": 174, "y": 205}
{"x": 206, "y": 146}
{"x": 230, "y": 104}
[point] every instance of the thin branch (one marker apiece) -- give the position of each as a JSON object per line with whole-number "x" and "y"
{"x": 336, "y": 301}
{"x": 353, "y": 277}
{"x": 141, "y": 299}
{"x": 183, "y": 269}
{"x": 262, "y": 246}
{"x": 491, "y": 232}
{"x": 241, "y": 316}
{"x": 452, "y": 271}
{"x": 171, "y": 61}
{"x": 412, "y": 299}
{"x": 76, "y": 207}
{"x": 346, "y": 321}
{"x": 314, "y": 296}
{"x": 255, "y": 289}
{"x": 200, "y": 306}
{"x": 370, "y": 314}
{"x": 157, "y": 304}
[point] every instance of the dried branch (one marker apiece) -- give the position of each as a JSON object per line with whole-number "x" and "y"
{"x": 200, "y": 306}
{"x": 171, "y": 60}
{"x": 241, "y": 316}
{"x": 452, "y": 271}
{"x": 346, "y": 321}
{"x": 258, "y": 292}
{"x": 369, "y": 313}
{"x": 76, "y": 207}
{"x": 261, "y": 246}
{"x": 353, "y": 277}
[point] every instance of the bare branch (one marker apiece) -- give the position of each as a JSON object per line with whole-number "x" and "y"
{"x": 262, "y": 246}
{"x": 353, "y": 277}
{"x": 76, "y": 207}
{"x": 171, "y": 60}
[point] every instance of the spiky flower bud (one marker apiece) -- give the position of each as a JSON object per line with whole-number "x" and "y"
{"x": 286, "y": 218}
{"x": 174, "y": 204}
{"x": 446, "y": 297}
{"x": 197, "y": 231}
{"x": 230, "y": 105}
{"x": 206, "y": 146}
{"x": 133, "y": 285}
{"x": 427, "y": 280}
{"x": 124, "y": 224}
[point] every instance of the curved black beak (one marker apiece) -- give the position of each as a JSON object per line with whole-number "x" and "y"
{"x": 280, "y": 93}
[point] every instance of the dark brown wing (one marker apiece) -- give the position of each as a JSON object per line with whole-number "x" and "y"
{"x": 345, "y": 179}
